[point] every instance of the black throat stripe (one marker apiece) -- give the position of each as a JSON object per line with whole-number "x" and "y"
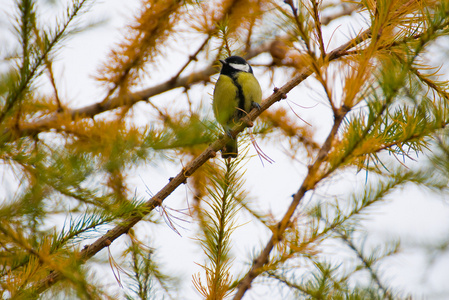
{"x": 240, "y": 112}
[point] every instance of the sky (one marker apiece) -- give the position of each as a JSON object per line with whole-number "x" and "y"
{"x": 412, "y": 214}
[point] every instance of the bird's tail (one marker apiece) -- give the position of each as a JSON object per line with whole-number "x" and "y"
{"x": 230, "y": 149}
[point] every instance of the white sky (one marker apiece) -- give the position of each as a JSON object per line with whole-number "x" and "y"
{"x": 412, "y": 214}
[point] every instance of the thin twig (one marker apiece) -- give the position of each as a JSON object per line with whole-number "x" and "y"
{"x": 365, "y": 262}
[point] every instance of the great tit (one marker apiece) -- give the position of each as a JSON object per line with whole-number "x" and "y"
{"x": 236, "y": 92}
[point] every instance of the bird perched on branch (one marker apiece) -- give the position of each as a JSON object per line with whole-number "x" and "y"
{"x": 236, "y": 92}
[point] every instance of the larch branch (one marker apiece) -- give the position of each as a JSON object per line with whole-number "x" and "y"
{"x": 182, "y": 176}
{"x": 309, "y": 183}
{"x": 89, "y": 111}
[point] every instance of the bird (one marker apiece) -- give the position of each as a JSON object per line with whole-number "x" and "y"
{"x": 236, "y": 92}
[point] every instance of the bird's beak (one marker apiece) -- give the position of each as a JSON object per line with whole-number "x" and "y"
{"x": 222, "y": 61}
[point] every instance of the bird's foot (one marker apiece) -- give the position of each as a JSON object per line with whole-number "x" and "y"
{"x": 255, "y": 105}
{"x": 229, "y": 133}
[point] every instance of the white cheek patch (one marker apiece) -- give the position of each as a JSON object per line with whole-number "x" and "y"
{"x": 240, "y": 67}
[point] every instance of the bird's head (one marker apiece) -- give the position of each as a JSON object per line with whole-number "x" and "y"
{"x": 235, "y": 64}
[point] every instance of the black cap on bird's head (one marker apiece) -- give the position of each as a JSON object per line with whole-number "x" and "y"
{"x": 235, "y": 64}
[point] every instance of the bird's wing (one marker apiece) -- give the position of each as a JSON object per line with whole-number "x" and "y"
{"x": 225, "y": 100}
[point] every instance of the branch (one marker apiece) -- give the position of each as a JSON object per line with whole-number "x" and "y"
{"x": 312, "y": 178}
{"x": 51, "y": 121}
{"x": 157, "y": 199}
{"x": 210, "y": 152}
{"x": 347, "y": 10}
{"x": 367, "y": 263}
{"x": 26, "y": 79}
{"x": 309, "y": 182}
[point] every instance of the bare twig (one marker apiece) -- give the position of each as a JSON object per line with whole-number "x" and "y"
{"x": 366, "y": 262}
{"x": 347, "y": 9}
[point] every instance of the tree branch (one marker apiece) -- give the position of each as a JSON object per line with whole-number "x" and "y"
{"x": 182, "y": 176}
{"x": 26, "y": 79}
{"x": 156, "y": 200}
{"x": 89, "y": 111}
{"x": 309, "y": 182}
